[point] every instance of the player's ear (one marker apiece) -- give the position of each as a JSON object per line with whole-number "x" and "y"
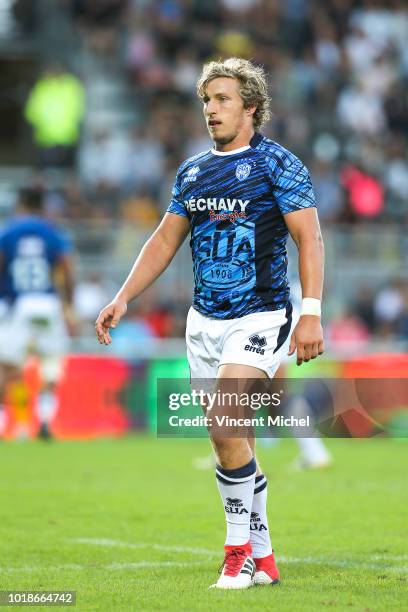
{"x": 251, "y": 110}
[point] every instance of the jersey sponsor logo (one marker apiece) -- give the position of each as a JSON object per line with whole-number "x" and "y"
{"x": 216, "y": 204}
{"x": 232, "y": 217}
{"x": 243, "y": 171}
{"x": 224, "y": 259}
{"x": 257, "y": 344}
{"x": 191, "y": 175}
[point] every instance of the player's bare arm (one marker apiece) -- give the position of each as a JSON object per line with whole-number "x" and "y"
{"x": 307, "y": 337}
{"x": 64, "y": 281}
{"x": 153, "y": 259}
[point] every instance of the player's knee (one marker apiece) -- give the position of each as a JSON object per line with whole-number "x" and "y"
{"x": 222, "y": 444}
{"x": 226, "y": 447}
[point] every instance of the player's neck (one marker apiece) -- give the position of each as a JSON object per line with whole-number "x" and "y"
{"x": 241, "y": 140}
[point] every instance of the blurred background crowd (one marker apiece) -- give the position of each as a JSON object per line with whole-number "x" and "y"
{"x": 101, "y": 109}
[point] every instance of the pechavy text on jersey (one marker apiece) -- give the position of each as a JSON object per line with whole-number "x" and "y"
{"x": 201, "y": 204}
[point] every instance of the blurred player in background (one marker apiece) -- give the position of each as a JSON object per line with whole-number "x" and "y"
{"x": 36, "y": 280}
{"x": 240, "y": 200}
{"x": 313, "y": 452}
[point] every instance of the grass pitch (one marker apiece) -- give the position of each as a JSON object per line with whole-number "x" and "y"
{"x": 130, "y": 525}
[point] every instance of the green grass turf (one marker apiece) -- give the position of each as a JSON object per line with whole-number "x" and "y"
{"x": 341, "y": 534}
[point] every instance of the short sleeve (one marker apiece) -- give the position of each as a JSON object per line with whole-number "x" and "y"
{"x": 292, "y": 188}
{"x": 177, "y": 205}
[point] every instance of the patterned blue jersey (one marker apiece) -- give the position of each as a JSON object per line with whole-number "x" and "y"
{"x": 236, "y": 204}
{"x": 30, "y": 247}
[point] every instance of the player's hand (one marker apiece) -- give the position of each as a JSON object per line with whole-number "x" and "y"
{"x": 108, "y": 318}
{"x": 307, "y": 339}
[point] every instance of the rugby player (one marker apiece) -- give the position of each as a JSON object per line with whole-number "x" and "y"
{"x": 37, "y": 285}
{"x": 239, "y": 200}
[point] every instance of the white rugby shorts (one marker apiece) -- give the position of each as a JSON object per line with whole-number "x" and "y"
{"x": 259, "y": 340}
{"x": 34, "y": 324}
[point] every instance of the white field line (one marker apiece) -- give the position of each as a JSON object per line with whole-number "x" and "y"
{"x": 149, "y": 564}
{"x": 180, "y": 549}
{"x": 109, "y": 566}
{"x": 36, "y": 568}
{"x": 385, "y": 557}
{"x": 382, "y": 565}
{"x": 375, "y": 562}
{"x": 166, "y": 564}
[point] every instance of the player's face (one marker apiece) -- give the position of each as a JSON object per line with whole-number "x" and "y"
{"x": 224, "y": 110}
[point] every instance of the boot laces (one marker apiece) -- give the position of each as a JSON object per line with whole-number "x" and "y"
{"x": 233, "y": 561}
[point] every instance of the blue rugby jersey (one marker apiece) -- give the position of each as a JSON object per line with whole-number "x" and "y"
{"x": 30, "y": 247}
{"x": 236, "y": 202}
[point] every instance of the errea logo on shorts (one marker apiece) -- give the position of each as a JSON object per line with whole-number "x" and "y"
{"x": 257, "y": 344}
{"x": 226, "y": 204}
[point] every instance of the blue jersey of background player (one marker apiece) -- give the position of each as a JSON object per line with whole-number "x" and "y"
{"x": 235, "y": 204}
{"x": 31, "y": 250}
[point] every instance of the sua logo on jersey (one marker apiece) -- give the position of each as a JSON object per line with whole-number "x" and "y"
{"x": 243, "y": 171}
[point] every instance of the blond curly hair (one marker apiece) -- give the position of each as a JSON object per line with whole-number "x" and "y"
{"x": 253, "y": 86}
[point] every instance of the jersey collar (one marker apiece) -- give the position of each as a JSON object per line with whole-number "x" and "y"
{"x": 254, "y": 142}
{"x": 233, "y": 152}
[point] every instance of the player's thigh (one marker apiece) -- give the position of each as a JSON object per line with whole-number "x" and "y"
{"x": 234, "y": 385}
{"x": 257, "y": 340}
{"x": 202, "y": 340}
{"x": 239, "y": 371}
